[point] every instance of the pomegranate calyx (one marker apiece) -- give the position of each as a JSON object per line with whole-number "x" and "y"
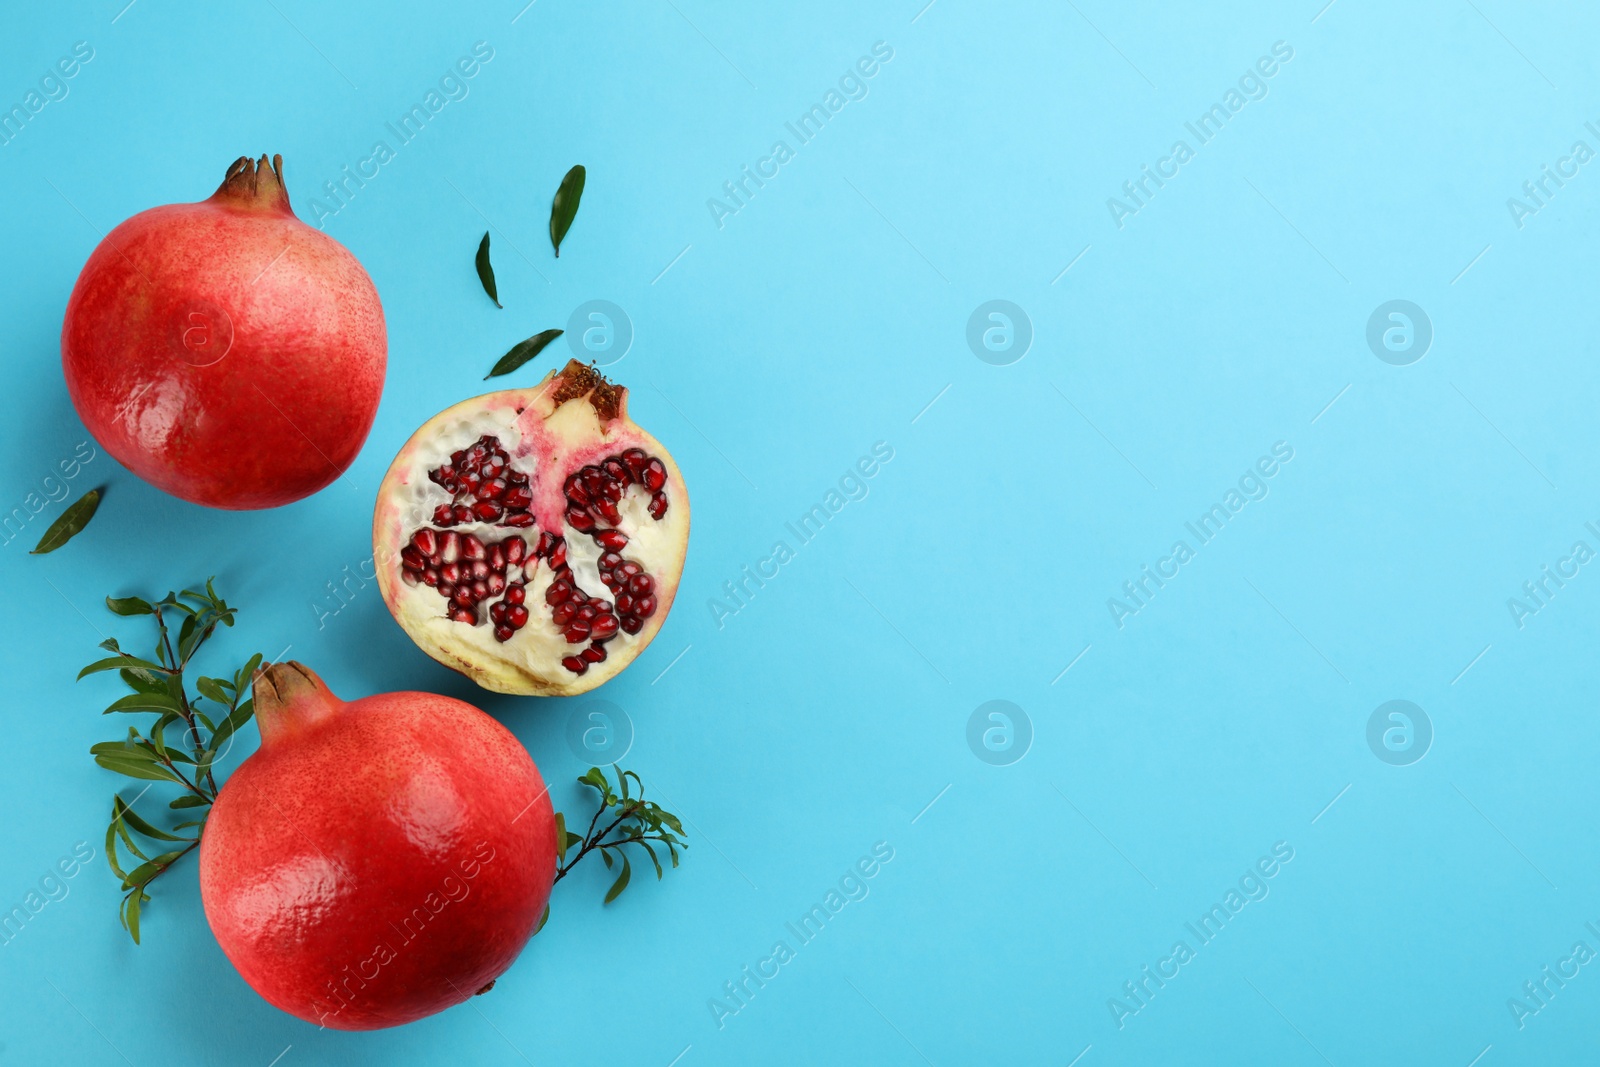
{"x": 255, "y": 185}
{"x": 578, "y": 380}
{"x": 289, "y": 699}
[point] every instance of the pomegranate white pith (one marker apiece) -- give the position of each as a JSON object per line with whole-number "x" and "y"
{"x": 533, "y": 538}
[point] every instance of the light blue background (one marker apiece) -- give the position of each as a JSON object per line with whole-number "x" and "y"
{"x": 823, "y": 317}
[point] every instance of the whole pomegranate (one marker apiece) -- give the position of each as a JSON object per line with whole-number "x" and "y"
{"x": 225, "y": 351}
{"x": 533, "y": 539}
{"x": 377, "y": 861}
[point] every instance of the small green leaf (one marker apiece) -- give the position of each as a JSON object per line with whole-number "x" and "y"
{"x": 131, "y": 817}
{"x": 542, "y": 920}
{"x": 129, "y": 605}
{"x": 141, "y": 875}
{"x": 561, "y": 838}
{"x": 522, "y": 352}
{"x": 135, "y": 768}
{"x": 653, "y": 858}
{"x": 211, "y": 689}
{"x": 619, "y": 885}
{"x": 118, "y": 663}
{"x": 143, "y": 702}
{"x": 111, "y": 848}
{"x": 130, "y": 915}
{"x": 69, "y": 523}
{"x": 188, "y": 800}
{"x": 486, "y": 270}
{"x": 564, "y": 208}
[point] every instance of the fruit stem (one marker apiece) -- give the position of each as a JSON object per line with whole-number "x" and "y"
{"x": 290, "y": 699}
{"x": 255, "y": 185}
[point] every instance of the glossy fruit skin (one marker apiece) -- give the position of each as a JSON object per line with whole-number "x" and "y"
{"x": 224, "y": 351}
{"x": 378, "y": 861}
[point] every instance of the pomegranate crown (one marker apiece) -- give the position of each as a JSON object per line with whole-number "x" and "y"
{"x": 255, "y": 185}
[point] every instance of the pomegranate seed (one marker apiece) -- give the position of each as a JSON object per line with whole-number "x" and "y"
{"x": 503, "y": 633}
{"x": 519, "y": 519}
{"x": 580, "y": 520}
{"x": 644, "y": 607}
{"x": 655, "y": 475}
{"x": 547, "y": 541}
{"x": 573, "y": 488}
{"x": 472, "y": 548}
{"x": 641, "y": 585}
{"x": 558, "y": 593}
{"x": 462, "y": 513}
{"x": 624, "y": 604}
{"x": 493, "y": 489}
{"x": 515, "y": 594}
{"x": 497, "y": 611}
{"x": 614, "y": 540}
{"x": 516, "y": 615}
{"x": 610, "y": 560}
{"x": 497, "y": 583}
{"x": 658, "y": 505}
{"x": 446, "y": 590}
{"x": 563, "y": 613}
{"x": 587, "y": 613}
{"x": 444, "y": 515}
{"x": 497, "y": 557}
{"x": 464, "y": 615}
{"x": 486, "y": 510}
{"x": 426, "y": 541}
{"x": 594, "y": 653}
{"x": 612, "y": 490}
{"x": 637, "y": 461}
{"x": 632, "y": 624}
{"x": 470, "y": 482}
{"x": 411, "y": 559}
{"x": 516, "y": 478}
{"x": 609, "y": 512}
{"x": 516, "y": 549}
{"x": 630, "y": 568}
{"x": 577, "y": 633}
{"x": 430, "y": 577}
{"x": 480, "y": 590}
{"x": 450, "y": 572}
{"x": 492, "y": 470}
{"x": 479, "y": 568}
{"x": 575, "y": 664}
{"x": 518, "y": 496}
{"x": 605, "y": 626}
{"x": 558, "y": 554}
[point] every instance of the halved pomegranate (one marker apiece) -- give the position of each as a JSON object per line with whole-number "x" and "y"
{"x": 532, "y": 539}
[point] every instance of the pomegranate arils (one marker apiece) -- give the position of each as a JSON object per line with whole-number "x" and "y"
{"x": 467, "y": 571}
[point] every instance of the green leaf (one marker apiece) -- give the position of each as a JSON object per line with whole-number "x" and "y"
{"x": 561, "y": 838}
{"x": 188, "y": 800}
{"x": 111, "y": 848}
{"x": 521, "y": 352}
{"x": 486, "y": 270}
{"x": 247, "y": 673}
{"x": 564, "y": 208}
{"x": 189, "y": 635}
{"x": 143, "y": 702}
{"x": 141, "y": 875}
{"x": 236, "y": 718}
{"x": 542, "y": 920}
{"x": 119, "y": 663}
{"x": 130, "y": 915}
{"x": 69, "y": 523}
{"x": 110, "y": 645}
{"x": 129, "y": 605}
{"x": 621, "y": 883}
{"x": 211, "y": 689}
{"x": 136, "y": 768}
{"x": 653, "y": 858}
{"x": 141, "y": 682}
{"x": 124, "y": 812}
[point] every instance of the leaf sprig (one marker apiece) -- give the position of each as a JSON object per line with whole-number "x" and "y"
{"x": 188, "y": 761}
{"x": 638, "y": 822}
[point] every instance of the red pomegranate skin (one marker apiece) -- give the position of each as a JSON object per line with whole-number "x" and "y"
{"x": 377, "y": 861}
{"x": 224, "y": 351}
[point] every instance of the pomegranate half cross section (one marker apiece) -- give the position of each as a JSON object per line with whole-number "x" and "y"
{"x": 533, "y": 539}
